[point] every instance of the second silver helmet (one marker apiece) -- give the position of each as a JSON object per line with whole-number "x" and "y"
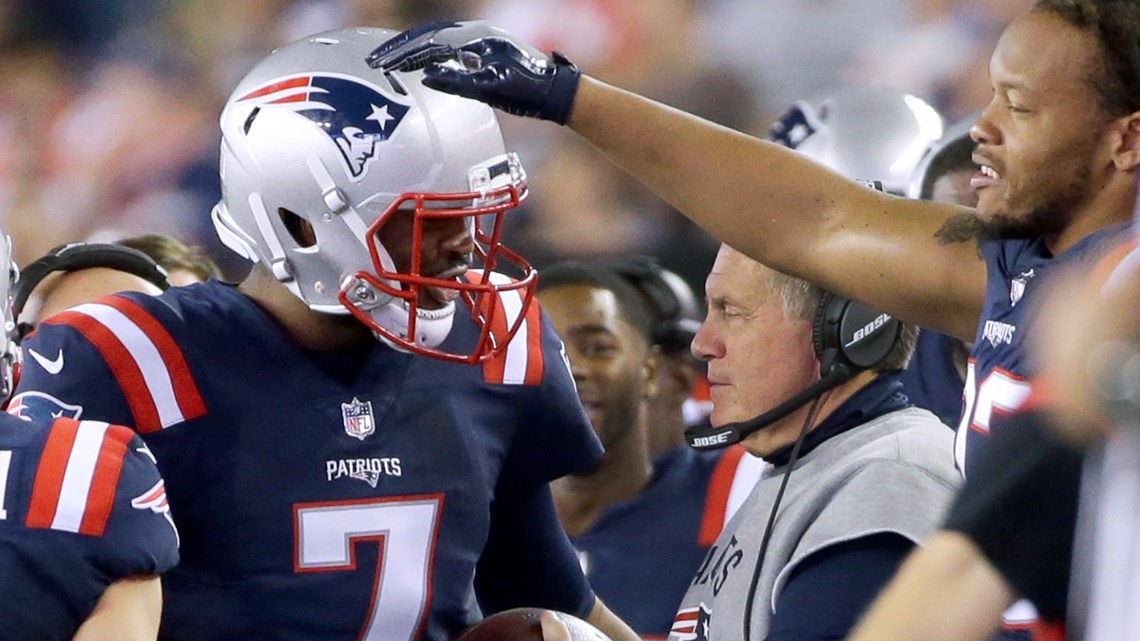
{"x": 869, "y": 133}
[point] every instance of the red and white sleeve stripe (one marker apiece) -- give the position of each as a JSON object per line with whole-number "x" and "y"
{"x": 77, "y": 477}
{"x": 148, "y": 365}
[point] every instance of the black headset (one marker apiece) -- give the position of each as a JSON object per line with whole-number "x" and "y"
{"x": 849, "y": 337}
{"x": 76, "y": 256}
{"x": 675, "y": 310}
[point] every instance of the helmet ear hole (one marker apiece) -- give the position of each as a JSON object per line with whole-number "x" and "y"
{"x": 299, "y": 228}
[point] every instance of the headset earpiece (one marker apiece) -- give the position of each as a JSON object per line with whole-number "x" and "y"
{"x": 675, "y": 304}
{"x": 76, "y": 256}
{"x": 851, "y": 334}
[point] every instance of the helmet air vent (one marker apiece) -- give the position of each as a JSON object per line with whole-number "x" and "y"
{"x": 299, "y": 229}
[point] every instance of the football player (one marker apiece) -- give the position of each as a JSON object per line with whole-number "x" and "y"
{"x": 85, "y": 528}
{"x": 641, "y": 523}
{"x": 358, "y": 438}
{"x": 1058, "y": 150}
{"x": 676, "y": 317}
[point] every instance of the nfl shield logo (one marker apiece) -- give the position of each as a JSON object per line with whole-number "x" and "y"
{"x": 357, "y": 416}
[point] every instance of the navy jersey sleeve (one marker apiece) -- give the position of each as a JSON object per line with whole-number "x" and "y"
{"x": 113, "y": 360}
{"x": 140, "y": 529}
{"x": 85, "y": 510}
{"x": 65, "y": 375}
{"x": 528, "y": 561}
{"x": 830, "y": 590}
{"x": 555, "y": 437}
{"x": 1019, "y": 505}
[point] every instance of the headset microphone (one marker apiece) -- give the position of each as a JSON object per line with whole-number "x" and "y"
{"x": 712, "y": 438}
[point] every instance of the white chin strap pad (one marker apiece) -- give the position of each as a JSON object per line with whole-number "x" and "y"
{"x": 432, "y": 325}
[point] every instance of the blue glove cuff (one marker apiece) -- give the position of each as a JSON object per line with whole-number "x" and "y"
{"x": 563, "y": 89}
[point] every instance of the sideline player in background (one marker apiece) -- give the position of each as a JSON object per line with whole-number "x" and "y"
{"x": 184, "y": 264}
{"x": 676, "y": 317}
{"x": 359, "y": 438}
{"x": 78, "y": 273}
{"x": 681, "y": 398}
{"x": 640, "y": 523}
{"x": 85, "y": 529}
{"x": 82, "y": 272}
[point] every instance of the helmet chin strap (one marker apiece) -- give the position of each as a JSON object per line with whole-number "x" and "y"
{"x": 432, "y": 325}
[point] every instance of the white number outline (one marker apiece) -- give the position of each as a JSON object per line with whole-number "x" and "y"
{"x": 1001, "y": 392}
{"x": 5, "y": 465}
{"x": 376, "y": 520}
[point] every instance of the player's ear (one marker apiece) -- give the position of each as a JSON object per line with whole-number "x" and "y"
{"x": 649, "y": 387}
{"x": 1127, "y": 153}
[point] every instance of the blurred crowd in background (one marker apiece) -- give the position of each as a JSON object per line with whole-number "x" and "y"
{"x": 108, "y": 115}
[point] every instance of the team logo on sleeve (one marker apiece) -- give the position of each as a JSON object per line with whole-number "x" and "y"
{"x": 154, "y": 500}
{"x": 691, "y": 624}
{"x": 358, "y": 420}
{"x": 354, "y": 114}
{"x": 42, "y": 408}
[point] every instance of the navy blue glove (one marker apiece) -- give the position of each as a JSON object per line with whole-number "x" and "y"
{"x": 477, "y": 60}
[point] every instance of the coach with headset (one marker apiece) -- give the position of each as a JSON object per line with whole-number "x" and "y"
{"x": 810, "y": 382}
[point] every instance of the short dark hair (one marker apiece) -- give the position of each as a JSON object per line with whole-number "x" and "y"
{"x": 668, "y": 298}
{"x": 172, "y": 254}
{"x": 631, "y": 304}
{"x": 1116, "y": 26}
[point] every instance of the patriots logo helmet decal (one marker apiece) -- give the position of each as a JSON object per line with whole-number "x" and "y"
{"x": 354, "y": 114}
{"x": 796, "y": 125}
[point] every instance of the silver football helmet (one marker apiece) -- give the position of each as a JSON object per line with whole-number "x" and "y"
{"x": 868, "y": 133}
{"x": 320, "y": 152}
{"x": 9, "y": 331}
{"x": 955, "y": 135}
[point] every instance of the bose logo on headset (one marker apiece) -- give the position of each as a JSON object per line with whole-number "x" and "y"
{"x": 869, "y": 328}
{"x": 716, "y": 440}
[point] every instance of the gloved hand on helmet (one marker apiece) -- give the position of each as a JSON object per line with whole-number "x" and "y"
{"x": 480, "y": 61}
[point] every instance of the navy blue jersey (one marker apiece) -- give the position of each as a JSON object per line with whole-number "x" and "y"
{"x": 320, "y": 495}
{"x": 81, "y": 506}
{"x": 641, "y": 555}
{"x": 930, "y": 380}
{"x": 999, "y": 368}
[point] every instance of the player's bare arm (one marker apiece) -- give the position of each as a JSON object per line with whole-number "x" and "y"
{"x": 916, "y": 259}
{"x": 778, "y": 208}
{"x": 129, "y": 610}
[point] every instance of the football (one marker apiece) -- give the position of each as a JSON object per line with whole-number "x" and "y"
{"x": 532, "y": 624}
